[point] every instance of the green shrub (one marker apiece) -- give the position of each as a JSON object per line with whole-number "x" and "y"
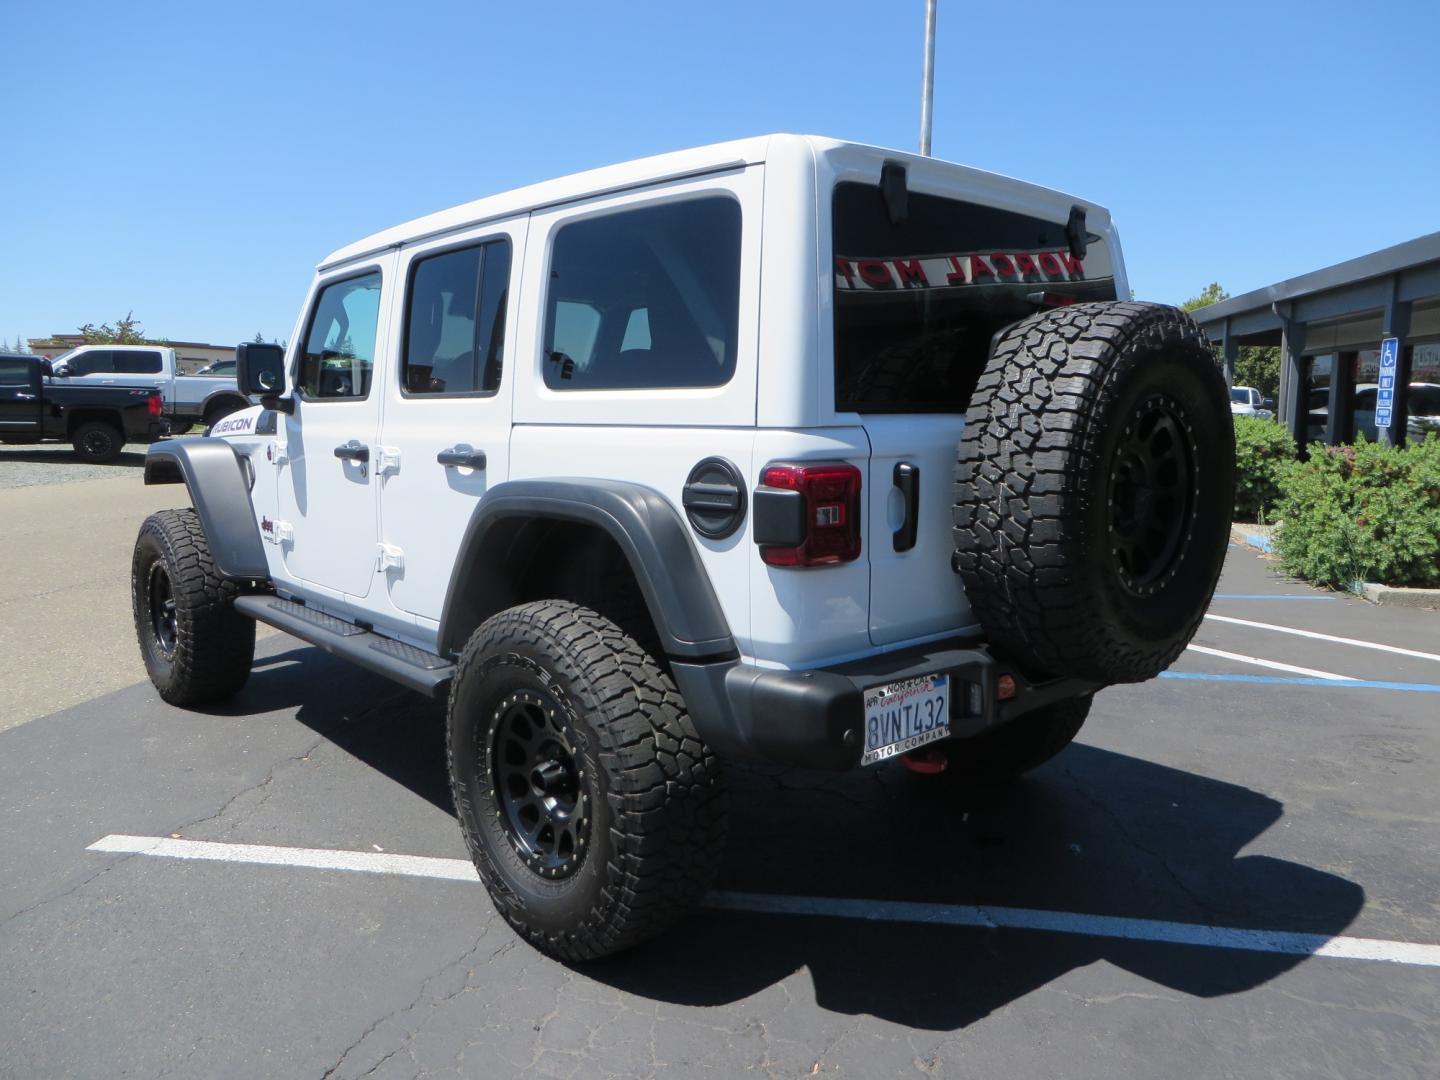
{"x": 1363, "y": 513}
{"x": 1263, "y": 450}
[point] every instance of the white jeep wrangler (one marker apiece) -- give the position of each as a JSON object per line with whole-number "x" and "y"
{"x": 784, "y": 450}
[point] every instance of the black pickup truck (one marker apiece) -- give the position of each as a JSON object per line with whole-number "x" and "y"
{"x": 97, "y": 420}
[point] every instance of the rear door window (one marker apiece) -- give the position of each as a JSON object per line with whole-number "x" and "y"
{"x": 16, "y": 374}
{"x": 455, "y": 322}
{"x": 645, "y": 298}
{"x": 130, "y": 362}
{"x": 917, "y": 302}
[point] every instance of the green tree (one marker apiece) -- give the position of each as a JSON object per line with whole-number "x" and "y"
{"x": 1259, "y": 366}
{"x": 126, "y": 331}
{"x": 258, "y": 339}
{"x": 1211, "y": 294}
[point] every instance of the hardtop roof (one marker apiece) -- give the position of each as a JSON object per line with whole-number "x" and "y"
{"x": 608, "y": 179}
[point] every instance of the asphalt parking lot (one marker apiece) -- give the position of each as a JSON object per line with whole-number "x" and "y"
{"x": 1233, "y": 872}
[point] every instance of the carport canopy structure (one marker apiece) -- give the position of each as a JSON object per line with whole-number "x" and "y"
{"x": 1329, "y": 325}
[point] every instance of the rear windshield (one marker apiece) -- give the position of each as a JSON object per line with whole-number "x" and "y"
{"x": 916, "y": 303}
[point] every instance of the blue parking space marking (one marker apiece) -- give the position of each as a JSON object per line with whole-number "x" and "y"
{"x": 1272, "y": 596}
{"x": 1333, "y": 684}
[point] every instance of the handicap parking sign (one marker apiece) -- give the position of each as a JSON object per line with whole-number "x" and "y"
{"x": 1385, "y": 393}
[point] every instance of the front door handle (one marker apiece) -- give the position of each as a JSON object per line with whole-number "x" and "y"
{"x": 461, "y": 457}
{"x": 907, "y": 479}
{"x": 353, "y": 451}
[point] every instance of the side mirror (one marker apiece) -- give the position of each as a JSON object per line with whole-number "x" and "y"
{"x": 1269, "y": 403}
{"x": 47, "y": 369}
{"x": 260, "y": 370}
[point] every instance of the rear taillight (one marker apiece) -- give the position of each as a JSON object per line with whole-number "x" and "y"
{"x": 154, "y": 405}
{"x": 826, "y": 525}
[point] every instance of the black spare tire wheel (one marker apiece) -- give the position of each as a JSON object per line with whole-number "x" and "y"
{"x": 1093, "y": 490}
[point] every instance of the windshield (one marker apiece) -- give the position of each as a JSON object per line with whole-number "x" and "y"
{"x": 917, "y": 302}
{"x": 1240, "y": 395}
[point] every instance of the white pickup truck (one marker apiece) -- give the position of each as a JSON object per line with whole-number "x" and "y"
{"x": 188, "y": 399}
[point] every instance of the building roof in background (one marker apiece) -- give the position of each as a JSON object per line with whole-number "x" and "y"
{"x": 1423, "y": 249}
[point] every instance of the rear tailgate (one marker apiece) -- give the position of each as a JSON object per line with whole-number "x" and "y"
{"x": 920, "y": 289}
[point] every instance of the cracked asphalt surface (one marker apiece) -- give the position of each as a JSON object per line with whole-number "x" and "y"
{"x": 1233, "y": 804}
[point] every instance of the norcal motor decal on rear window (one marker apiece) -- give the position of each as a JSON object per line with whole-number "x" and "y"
{"x": 956, "y": 271}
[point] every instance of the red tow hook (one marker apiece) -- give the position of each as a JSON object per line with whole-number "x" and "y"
{"x": 926, "y": 760}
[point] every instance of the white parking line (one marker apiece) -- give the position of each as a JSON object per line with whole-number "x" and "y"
{"x": 365, "y": 862}
{"x": 1261, "y": 662}
{"x": 1324, "y": 637}
{"x": 965, "y": 915}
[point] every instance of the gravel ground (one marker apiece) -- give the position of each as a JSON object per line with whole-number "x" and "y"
{"x": 56, "y": 463}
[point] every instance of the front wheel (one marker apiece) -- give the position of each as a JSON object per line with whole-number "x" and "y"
{"x": 593, "y": 811}
{"x": 197, "y": 648}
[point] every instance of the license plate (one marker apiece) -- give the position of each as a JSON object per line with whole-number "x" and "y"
{"x": 904, "y": 715}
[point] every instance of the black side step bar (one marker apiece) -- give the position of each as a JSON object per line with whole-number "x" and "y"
{"x": 419, "y": 670}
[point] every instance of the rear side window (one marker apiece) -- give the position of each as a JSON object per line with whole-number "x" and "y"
{"x": 645, "y": 298}
{"x": 130, "y": 362}
{"x": 15, "y": 373}
{"x": 917, "y": 302}
{"x": 339, "y": 353}
{"x": 455, "y": 321}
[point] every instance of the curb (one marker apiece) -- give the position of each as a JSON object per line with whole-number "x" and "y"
{"x": 1397, "y": 597}
{"x": 1255, "y": 536}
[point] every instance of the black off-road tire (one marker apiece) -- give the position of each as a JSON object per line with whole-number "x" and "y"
{"x": 98, "y": 442}
{"x": 651, "y": 833}
{"x": 204, "y": 651}
{"x": 1017, "y": 747}
{"x": 1048, "y": 491}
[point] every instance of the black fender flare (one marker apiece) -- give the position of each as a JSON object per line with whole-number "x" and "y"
{"x": 217, "y": 394}
{"x": 650, "y": 534}
{"x": 219, "y": 483}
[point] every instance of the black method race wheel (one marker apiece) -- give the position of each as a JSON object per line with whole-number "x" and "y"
{"x": 594, "y": 813}
{"x": 540, "y": 784}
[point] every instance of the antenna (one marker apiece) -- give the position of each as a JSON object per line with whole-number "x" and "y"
{"x": 927, "y": 82}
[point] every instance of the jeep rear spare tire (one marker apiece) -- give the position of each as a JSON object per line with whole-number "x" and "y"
{"x": 1093, "y": 490}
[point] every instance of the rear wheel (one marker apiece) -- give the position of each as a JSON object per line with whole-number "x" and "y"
{"x": 197, "y": 648}
{"x": 1019, "y": 746}
{"x": 98, "y": 442}
{"x": 594, "y": 813}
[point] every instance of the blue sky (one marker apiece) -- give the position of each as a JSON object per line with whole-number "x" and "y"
{"x": 192, "y": 162}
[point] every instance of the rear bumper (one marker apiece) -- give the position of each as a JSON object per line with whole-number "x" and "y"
{"x": 815, "y": 719}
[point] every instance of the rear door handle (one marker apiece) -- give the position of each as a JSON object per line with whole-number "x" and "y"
{"x": 907, "y": 479}
{"x": 461, "y": 458}
{"x": 353, "y": 451}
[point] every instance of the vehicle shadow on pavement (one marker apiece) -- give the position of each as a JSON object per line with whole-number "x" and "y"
{"x": 394, "y": 731}
{"x": 64, "y": 455}
{"x": 1093, "y": 832}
